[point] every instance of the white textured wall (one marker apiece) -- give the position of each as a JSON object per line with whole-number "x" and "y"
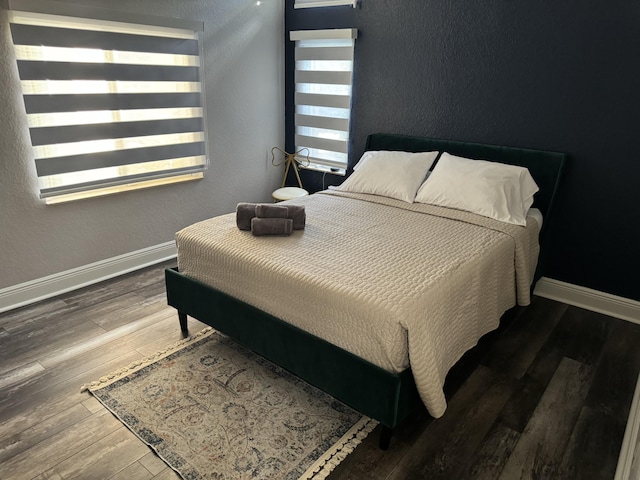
{"x": 243, "y": 65}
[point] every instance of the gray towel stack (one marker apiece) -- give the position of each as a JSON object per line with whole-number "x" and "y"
{"x": 269, "y": 219}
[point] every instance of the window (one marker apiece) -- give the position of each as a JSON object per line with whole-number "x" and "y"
{"x": 111, "y": 105}
{"x": 323, "y": 3}
{"x": 323, "y": 81}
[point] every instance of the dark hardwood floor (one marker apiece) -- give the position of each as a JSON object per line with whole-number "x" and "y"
{"x": 545, "y": 397}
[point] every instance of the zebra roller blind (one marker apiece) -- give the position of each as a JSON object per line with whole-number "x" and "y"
{"x": 323, "y": 81}
{"x": 113, "y": 102}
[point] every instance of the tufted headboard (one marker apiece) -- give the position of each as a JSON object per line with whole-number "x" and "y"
{"x": 545, "y": 167}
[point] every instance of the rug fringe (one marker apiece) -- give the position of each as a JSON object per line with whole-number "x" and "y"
{"x": 322, "y": 467}
{"x": 134, "y": 366}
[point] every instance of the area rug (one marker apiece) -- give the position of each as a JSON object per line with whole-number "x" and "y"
{"x": 212, "y": 409}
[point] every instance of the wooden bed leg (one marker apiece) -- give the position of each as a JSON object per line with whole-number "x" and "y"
{"x": 385, "y": 437}
{"x": 183, "y": 323}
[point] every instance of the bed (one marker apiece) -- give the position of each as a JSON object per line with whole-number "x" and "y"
{"x": 343, "y": 303}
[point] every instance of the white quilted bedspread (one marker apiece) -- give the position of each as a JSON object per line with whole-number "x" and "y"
{"x": 395, "y": 283}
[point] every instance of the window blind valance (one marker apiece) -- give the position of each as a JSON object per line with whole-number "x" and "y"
{"x": 323, "y": 84}
{"x": 110, "y": 105}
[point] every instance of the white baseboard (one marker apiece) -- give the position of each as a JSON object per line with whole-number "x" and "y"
{"x": 630, "y": 442}
{"x": 56, "y": 284}
{"x": 601, "y": 302}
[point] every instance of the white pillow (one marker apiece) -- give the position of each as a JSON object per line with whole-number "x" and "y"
{"x": 496, "y": 190}
{"x": 389, "y": 174}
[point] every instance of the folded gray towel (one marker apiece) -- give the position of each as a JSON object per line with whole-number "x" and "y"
{"x": 271, "y": 226}
{"x": 294, "y": 212}
{"x": 298, "y": 215}
{"x": 244, "y": 213}
{"x": 269, "y": 210}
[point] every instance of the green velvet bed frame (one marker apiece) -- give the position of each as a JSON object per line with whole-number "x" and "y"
{"x": 382, "y": 395}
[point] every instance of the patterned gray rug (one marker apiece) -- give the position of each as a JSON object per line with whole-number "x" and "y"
{"x": 213, "y": 410}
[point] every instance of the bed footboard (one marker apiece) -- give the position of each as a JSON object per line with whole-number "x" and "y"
{"x": 365, "y": 387}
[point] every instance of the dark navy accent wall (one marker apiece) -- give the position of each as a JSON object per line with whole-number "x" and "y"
{"x": 561, "y": 75}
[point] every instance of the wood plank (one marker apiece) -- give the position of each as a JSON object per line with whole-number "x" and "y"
{"x": 617, "y": 371}
{"x": 77, "y": 314}
{"x": 17, "y": 375}
{"x": 151, "y": 278}
{"x": 167, "y": 474}
{"x": 576, "y": 335}
{"x": 518, "y": 410}
{"x": 21, "y": 408}
{"x": 24, "y": 347}
{"x": 595, "y": 444}
{"x": 60, "y": 385}
{"x": 153, "y": 339}
{"x": 130, "y": 308}
{"x": 65, "y": 378}
{"x": 586, "y": 333}
{"x": 155, "y": 289}
{"x": 594, "y": 447}
{"x": 126, "y": 337}
{"x": 135, "y": 471}
{"x": 513, "y": 352}
{"x": 92, "y": 404}
{"x": 35, "y": 313}
{"x": 170, "y": 337}
{"x": 153, "y": 463}
{"x": 104, "y": 458}
{"x": 19, "y": 442}
{"x": 493, "y": 454}
{"x": 45, "y": 455}
{"x": 540, "y": 448}
{"x": 444, "y": 449}
{"x": 48, "y": 476}
{"x": 115, "y": 353}
{"x": 117, "y": 286}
